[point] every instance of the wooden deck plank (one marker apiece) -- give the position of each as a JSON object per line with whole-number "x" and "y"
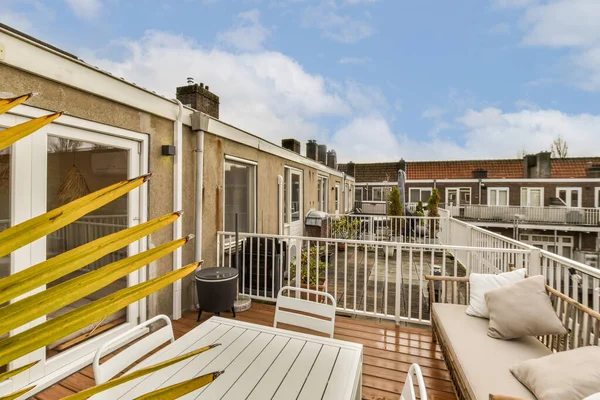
{"x": 388, "y": 352}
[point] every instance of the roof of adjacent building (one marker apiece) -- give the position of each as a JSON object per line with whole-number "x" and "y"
{"x": 463, "y": 169}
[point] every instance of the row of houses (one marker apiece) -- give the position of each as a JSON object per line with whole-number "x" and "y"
{"x": 551, "y": 203}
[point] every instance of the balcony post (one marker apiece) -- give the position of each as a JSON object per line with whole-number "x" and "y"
{"x": 535, "y": 262}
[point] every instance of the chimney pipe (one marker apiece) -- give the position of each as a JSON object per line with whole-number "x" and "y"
{"x": 311, "y": 150}
{"x": 190, "y": 80}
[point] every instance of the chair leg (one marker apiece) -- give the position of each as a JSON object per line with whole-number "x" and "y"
{"x": 233, "y": 311}
{"x": 199, "y": 314}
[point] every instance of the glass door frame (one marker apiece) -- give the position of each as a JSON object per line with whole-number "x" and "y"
{"x": 28, "y": 199}
{"x": 293, "y": 228}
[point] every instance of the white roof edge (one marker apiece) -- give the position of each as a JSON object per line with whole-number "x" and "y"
{"x": 225, "y": 130}
{"x": 28, "y": 55}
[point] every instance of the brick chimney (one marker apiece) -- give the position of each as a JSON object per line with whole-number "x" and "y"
{"x": 351, "y": 169}
{"x": 312, "y": 150}
{"x": 537, "y": 165}
{"x": 322, "y": 153}
{"x": 332, "y": 159}
{"x": 291, "y": 144}
{"x": 593, "y": 171}
{"x": 199, "y": 97}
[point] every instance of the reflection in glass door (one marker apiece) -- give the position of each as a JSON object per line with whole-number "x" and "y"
{"x": 77, "y": 168}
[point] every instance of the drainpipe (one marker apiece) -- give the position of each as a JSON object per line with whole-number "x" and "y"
{"x": 177, "y": 205}
{"x": 199, "y": 125}
{"x": 280, "y": 221}
{"x": 343, "y": 194}
{"x": 199, "y": 183}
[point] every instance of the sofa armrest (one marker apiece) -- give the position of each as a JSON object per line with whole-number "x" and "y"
{"x": 448, "y": 289}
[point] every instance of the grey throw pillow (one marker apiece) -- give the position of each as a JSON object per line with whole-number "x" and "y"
{"x": 567, "y": 375}
{"x": 522, "y": 309}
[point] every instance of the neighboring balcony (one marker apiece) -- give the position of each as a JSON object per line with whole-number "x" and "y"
{"x": 536, "y": 215}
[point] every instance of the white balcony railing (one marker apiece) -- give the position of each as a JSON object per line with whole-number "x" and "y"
{"x": 386, "y": 228}
{"x": 538, "y": 215}
{"x": 369, "y": 278}
{"x": 383, "y": 276}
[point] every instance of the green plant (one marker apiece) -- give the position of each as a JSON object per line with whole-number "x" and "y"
{"x": 20, "y": 308}
{"x": 310, "y": 267}
{"x": 344, "y": 227}
{"x": 420, "y": 212}
{"x": 394, "y": 205}
{"x": 432, "y": 211}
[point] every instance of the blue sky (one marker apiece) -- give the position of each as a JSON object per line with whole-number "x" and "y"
{"x": 374, "y": 79}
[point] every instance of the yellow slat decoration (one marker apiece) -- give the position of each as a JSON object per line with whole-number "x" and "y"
{"x": 9, "y": 374}
{"x": 17, "y": 394}
{"x": 25, "y": 310}
{"x": 47, "y": 271}
{"x": 41, "y": 335}
{"x": 181, "y": 389}
{"x": 35, "y": 228}
{"x": 7, "y": 104}
{"x": 17, "y": 132}
{"x": 84, "y": 394}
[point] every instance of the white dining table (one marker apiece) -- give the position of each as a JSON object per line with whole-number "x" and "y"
{"x": 260, "y": 363}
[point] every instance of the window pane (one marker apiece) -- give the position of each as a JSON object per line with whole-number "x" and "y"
{"x": 566, "y": 252}
{"x": 535, "y": 197}
{"x": 76, "y": 168}
{"x": 414, "y": 195}
{"x": 4, "y": 205}
{"x": 503, "y": 198}
{"x": 296, "y": 197}
{"x": 562, "y": 194}
{"x": 425, "y": 195}
{"x": 239, "y": 196}
{"x": 574, "y": 198}
{"x": 493, "y": 198}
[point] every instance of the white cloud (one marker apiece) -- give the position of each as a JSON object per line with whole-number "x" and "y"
{"x": 86, "y": 9}
{"x": 248, "y": 34}
{"x": 494, "y": 133}
{"x": 354, "y": 60}
{"x": 337, "y": 26}
{"x": 571, "y": 25}
{"x": 524, "y": 104}
{"x": 266, "y": 93}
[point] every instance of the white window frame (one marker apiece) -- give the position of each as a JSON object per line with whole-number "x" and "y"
{"x": 498, "y": 189}
{"x": 570, "y": 189}
{"x": 458, "y": 190}
{"x": 289, "y": 171}
{"x": 421, "y": 190}
{"x": 322, "y": 192}
{"x": 528, "y": 191}
{"x": 597, "y": 202}
{"x": 253, "y": 164}
{"x": 337, "y": 198}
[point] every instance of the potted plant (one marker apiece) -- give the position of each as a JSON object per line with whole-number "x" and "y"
{"x": 395, "y": 210}
{"x": 432, "y": 211}
{"x": 312, "y": 271}
{"x": 420, "y": 212}
{"x": 344, "y": 228}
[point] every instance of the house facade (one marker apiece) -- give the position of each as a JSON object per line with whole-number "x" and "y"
{"x": 547, "y": 202}
{"x": 112, "y": 130}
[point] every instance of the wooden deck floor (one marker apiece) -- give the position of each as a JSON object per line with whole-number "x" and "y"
{"x": 388, "y": 352}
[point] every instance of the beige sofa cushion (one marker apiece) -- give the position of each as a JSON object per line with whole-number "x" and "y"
{"x": 567, "y": 375}
{"x": 483, "y": 362}
{"x": 522, "y": 309}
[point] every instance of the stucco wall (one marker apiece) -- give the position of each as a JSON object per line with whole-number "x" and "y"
{"x": 58, "y": 97}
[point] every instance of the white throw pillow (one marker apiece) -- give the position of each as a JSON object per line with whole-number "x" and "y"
{"x": 482, "y": 283}
{"x": 595, "y": 396}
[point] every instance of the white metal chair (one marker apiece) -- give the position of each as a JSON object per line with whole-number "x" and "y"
{"x": 408, "y": 391}
{"x": 110, "y": 368}
{"x": 305, "y": 306}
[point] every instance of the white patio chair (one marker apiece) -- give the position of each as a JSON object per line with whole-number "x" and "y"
{"x": 408, "y": 391}
{"x": 305, "y": 306}
{"x": 111, "y": 367}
